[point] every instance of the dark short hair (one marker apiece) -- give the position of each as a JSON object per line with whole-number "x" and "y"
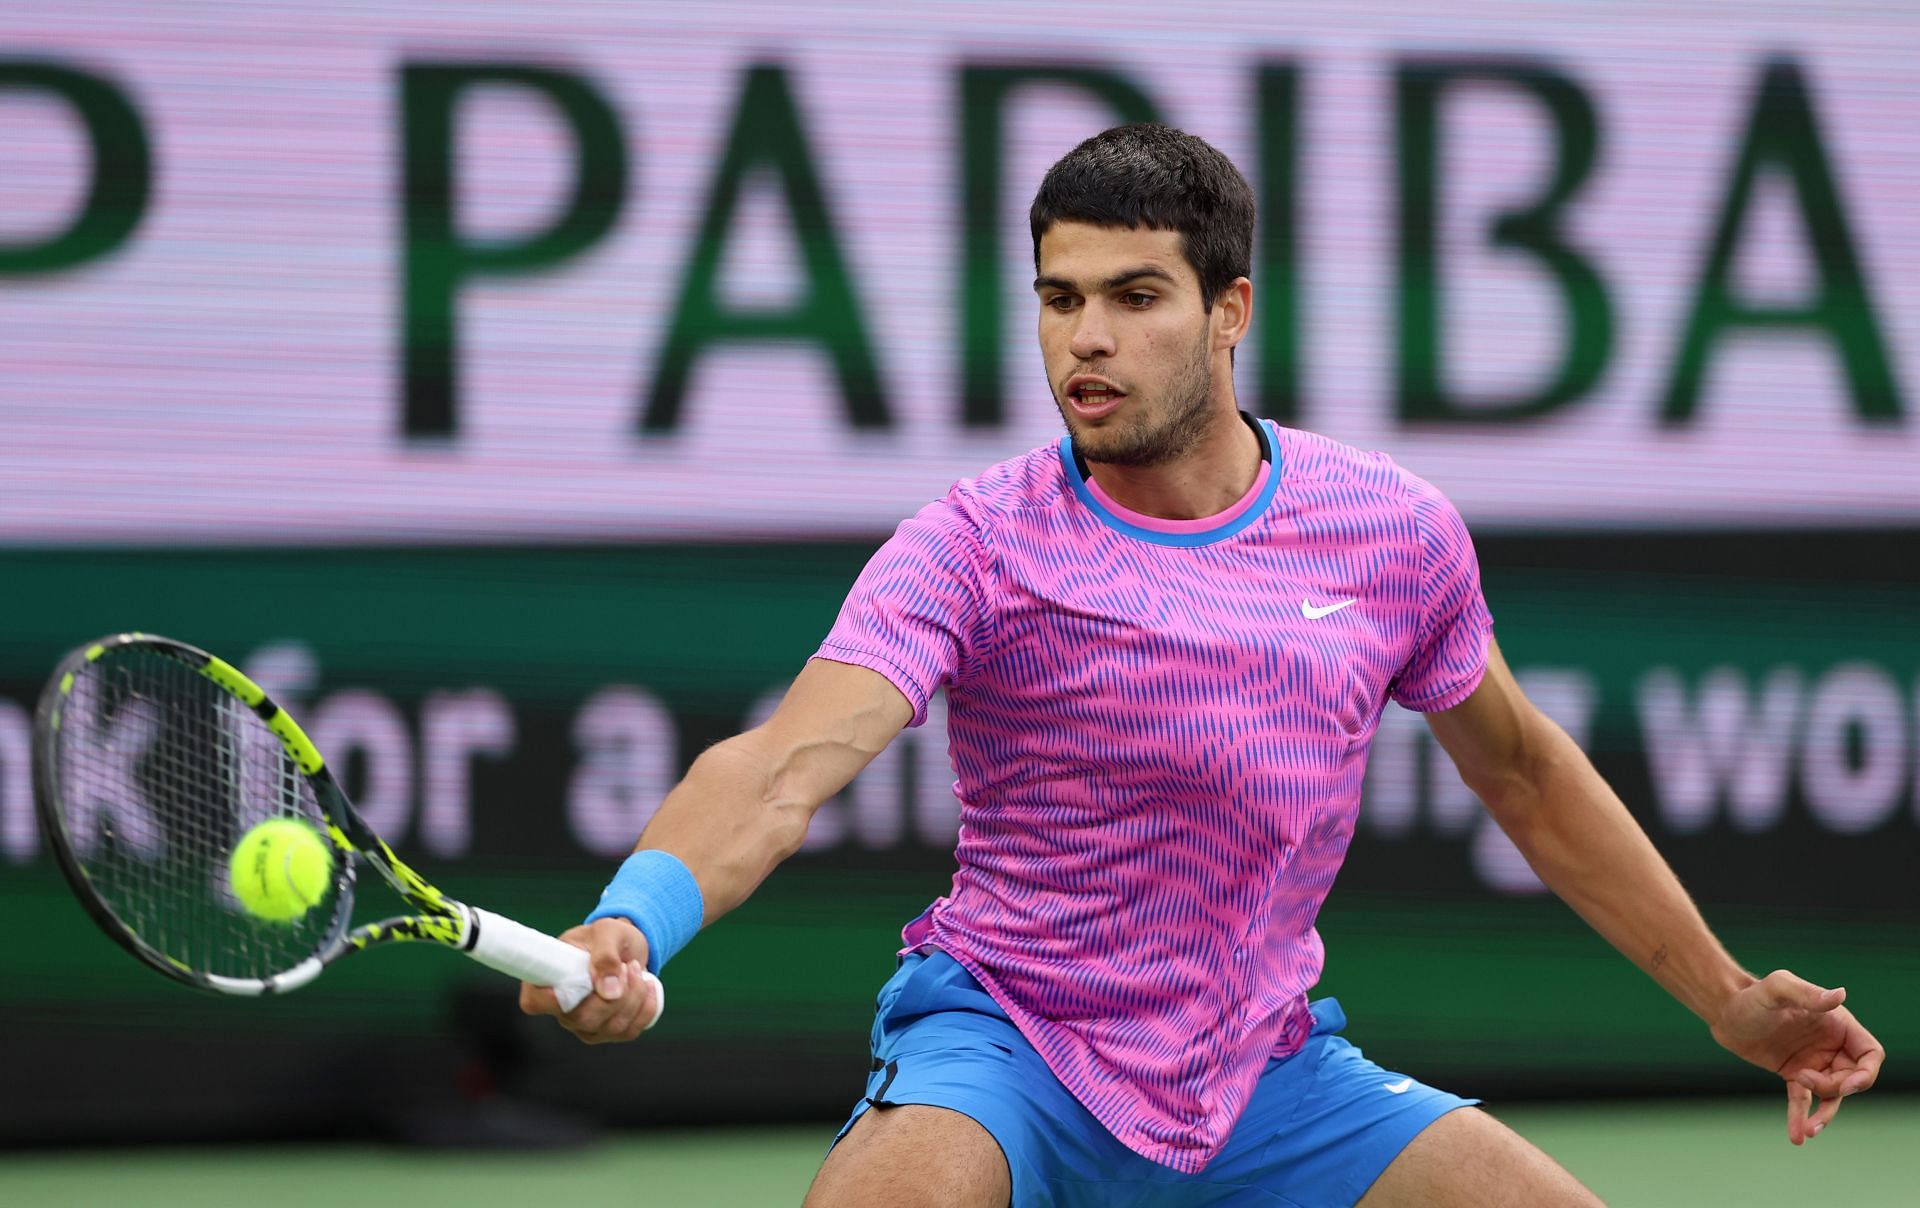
{"x": 1153, "y": 176}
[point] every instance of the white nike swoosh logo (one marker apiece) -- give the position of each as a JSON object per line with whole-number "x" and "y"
{"x": 1398, "y": 1088}
{"x": 1312, "y": 613}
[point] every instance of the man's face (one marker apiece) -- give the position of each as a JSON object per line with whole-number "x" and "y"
{"x": 1126, "y": 342}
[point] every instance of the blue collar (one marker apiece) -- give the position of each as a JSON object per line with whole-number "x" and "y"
{"x": 1154, "y": 536}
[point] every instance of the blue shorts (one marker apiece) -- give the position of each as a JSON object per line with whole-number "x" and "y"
{"x": 1321, "y": 1126}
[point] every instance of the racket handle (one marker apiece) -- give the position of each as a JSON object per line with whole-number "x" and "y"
{"x": 517, "y": 950}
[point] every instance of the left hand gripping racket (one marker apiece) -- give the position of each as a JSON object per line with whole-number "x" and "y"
{"x": 152, "y": 758}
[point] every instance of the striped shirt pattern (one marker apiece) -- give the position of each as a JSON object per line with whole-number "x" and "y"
{"x": 1158, "y": 734}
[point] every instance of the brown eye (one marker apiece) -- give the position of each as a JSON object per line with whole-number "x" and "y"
{"x": 1060, "y": 302}
{"x": 1137, "y": 300}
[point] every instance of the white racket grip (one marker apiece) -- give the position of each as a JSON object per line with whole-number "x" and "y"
{"x": 517, "y": 950}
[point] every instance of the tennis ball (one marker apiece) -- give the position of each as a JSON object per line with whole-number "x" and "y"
{"x": 281, "y": 869}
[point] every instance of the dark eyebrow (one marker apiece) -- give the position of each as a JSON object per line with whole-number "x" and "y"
{"x": 1125, "y": 276}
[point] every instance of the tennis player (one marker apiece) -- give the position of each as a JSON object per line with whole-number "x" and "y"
{"x": 1166, "y": 643}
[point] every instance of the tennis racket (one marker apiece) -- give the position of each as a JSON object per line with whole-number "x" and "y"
{"x": 153, "y": 758}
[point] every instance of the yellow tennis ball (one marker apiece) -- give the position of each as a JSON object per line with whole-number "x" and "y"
{"x": 281, "y": 869}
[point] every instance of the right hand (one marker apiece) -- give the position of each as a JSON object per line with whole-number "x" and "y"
{"x": 625, "y": 999}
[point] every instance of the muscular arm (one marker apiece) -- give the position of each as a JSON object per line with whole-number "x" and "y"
{"x": 1581, "y": 841}
{"x": 741, "y": 809}
{"x": 744, "y": 805}
{"x": 1588, "y": 849}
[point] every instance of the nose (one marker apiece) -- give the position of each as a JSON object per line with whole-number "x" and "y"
{"x": 1092, "y": 334}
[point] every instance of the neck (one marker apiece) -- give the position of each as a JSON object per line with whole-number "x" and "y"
{"x": 1206, "y": 480}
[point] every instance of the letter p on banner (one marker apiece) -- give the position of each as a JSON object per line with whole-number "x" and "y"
{"x": 438, "y": 260}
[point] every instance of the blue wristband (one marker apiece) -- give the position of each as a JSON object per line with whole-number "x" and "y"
{"x": 656, "y": 893}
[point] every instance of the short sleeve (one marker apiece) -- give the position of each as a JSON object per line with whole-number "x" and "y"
{"x": 917, "y": 611}
{"x": 1450, "y": 651}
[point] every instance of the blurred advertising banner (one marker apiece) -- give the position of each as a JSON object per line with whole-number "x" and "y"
{"x": 529, "y": 707}
{"x": 510, "y": 717}
{"x": 483, "y": 272}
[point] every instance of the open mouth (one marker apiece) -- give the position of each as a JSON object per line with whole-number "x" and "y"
{"x": 1092, "y": 398}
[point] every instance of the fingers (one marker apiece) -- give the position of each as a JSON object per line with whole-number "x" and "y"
{"x": 597, "y": 1021}
{"x": 594, "y": 1019}
{"x": 659, "y": 1002}
{"x": 613, "y": 943}
{"x": 538, "y": 1000}
{"x": 1867, "y": 1055}
{"x": 1784, "y": 989}
{"x": 1852, "y": 1070}
{"x": 1799, "y": 1101}
{"x": 1824, "y": 1084}
{"x": 626, "y": 999}
{"x": 1831, "y": 1088}
{"x": 634, "y": 1011}
{"x": 1802, "y": 1126}
{"x": 1838, "y": 1083}
{"x": 1821, "y": 1117}
{"x": 1867, "y": 1073}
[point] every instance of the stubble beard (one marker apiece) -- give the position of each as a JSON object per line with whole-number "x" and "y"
{"x": 1155, "y": 435}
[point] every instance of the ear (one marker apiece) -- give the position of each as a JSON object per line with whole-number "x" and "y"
{"x": 1232, "y": 314}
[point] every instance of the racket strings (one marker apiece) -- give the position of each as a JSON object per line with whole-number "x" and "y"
{"x": 161, "y": 773}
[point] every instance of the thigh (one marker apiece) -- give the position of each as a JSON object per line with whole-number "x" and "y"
{"x": 1322, "y": 1125}
{"x": 942, "y": 1045}
{"x": 913, "y": 1156}
{"x": 1468, "y": 1158}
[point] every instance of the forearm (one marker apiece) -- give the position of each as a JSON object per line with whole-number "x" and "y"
{"x": 1584, "y": 844}
{"x": 744, "y": 805}
{"x": 740, "y": 810}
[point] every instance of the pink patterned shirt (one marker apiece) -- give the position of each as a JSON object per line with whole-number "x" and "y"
{"x": 1159, "y": 730}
